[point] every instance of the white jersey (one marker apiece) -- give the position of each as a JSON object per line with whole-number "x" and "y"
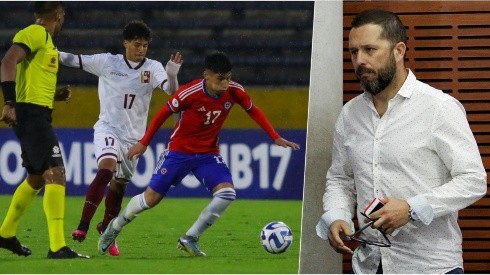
{"x": 124, "y": 92}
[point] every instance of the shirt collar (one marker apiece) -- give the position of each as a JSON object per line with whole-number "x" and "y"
{"x": 130, "y": 63}
{"x": 407, "y": 88}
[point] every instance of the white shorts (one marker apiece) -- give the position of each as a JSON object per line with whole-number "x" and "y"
{"x": 107, "y": 145}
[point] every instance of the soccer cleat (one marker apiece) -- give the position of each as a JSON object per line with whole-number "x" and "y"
{"x": 79, "y": 235}
{"x": 107, "y": 239}
{"x": 65, "y": 253}
{"x": 14, "y": 245}
{"x": 189, "y": 245}
{"x": 114, "y": 249}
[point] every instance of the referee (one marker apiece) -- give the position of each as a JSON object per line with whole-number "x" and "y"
{"x": 28, "y": 74}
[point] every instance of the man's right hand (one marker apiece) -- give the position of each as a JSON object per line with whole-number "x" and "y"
{"x": 8, "y": 115}
{"x": 337, "y": 229}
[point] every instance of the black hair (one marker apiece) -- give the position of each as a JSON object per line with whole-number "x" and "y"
{"x": 46, "y": 7}
{"x": 218, "y": 62}
{"x": 136, "y": 29}
{"x": 393, "y": 28}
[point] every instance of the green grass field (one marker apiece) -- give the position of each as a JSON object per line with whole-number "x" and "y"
{"x": 148, "y": 244}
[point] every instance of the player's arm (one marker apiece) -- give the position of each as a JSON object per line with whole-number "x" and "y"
{"x": 139, "y": 148}
{"x": 93, "y": 64}
{"x": 89, "y": 63}
{"x": 259, "y": 117}
{"x": 172, "y": 68}
{"x": 171, "y": 84}
{"x": 8, "y": 68}
{"x": 70, "y": 60}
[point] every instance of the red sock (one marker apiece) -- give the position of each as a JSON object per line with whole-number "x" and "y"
{"x": 94, "y": 195}
{"x": 113, "y": 203}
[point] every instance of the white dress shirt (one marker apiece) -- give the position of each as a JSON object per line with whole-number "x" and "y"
{"x": 421, "y": 150}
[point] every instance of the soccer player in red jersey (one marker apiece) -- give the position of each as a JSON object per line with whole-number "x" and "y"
{"x": 203, "y": 105}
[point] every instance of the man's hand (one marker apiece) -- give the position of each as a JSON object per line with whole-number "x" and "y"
{"x": 392, "y": 215}
{"x": 136, "y": 151}
{"x": 8, "y": 115}
{"x": 285, "y": 143}
{"x": 63, "y": 94}
{"x": 173, "y": 65}
{"x": 338, "y": 229}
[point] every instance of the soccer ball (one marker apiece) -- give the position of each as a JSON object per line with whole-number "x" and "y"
{"x": 276, "y": 237}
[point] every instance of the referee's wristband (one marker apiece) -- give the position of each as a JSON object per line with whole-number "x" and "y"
{"x": 8, "y": 89}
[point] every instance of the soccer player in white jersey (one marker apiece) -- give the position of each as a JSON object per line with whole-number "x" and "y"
{"x": 126, "y": 83}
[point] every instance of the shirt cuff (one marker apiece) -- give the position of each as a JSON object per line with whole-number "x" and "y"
{"x": 328, "y": 218}
{"x": 422, "y": 209}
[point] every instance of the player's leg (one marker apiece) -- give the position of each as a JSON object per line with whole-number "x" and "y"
{"x": 106, "y": 152}
{"x": 222, "y": 198}
{"x": 93, "y": 197}
{"x": 136, "y": 205}
{"x": 113, "y": 202}
{"x": 171, "y": 168}
{"x": 223, "y": 195}
{"x": 215, "y": 175}
{"x": 124, "y": 172}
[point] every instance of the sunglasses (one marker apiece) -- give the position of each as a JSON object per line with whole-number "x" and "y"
{"x": 357, "y": 235}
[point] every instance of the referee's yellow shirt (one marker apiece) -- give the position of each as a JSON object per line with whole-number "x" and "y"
{"x": 37, "y": 74}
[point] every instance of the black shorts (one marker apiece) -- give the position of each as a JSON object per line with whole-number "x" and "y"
{"x": 39, "y": 144}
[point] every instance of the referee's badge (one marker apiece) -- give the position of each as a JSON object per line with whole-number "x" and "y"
{"x": 145, "y": 77}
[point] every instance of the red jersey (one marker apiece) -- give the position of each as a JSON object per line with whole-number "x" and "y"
{"x": 202, "y": 116}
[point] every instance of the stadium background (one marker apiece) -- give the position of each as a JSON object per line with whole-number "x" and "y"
{"x": 269, "y": 44}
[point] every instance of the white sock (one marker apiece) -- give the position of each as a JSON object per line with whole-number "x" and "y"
{"x": 136, "y": 205}
{"x": 221, "y": 200}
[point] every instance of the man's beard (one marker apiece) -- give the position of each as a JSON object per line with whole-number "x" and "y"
{"x": 384, "y": 77}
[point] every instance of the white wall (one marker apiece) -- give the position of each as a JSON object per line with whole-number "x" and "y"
{"x": 325, "y": 103}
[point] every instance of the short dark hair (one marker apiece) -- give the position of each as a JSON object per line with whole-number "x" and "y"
{"x": 393, "y": 28}
{"x": 136, "y": 29}
{"x": 42, "y": 8}
{"x": 218, "y": 62}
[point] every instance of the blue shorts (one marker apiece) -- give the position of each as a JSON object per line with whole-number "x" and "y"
{"x": 173, "y": 166}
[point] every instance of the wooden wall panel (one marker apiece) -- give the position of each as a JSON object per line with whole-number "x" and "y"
{"x": 448, "y": 48}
